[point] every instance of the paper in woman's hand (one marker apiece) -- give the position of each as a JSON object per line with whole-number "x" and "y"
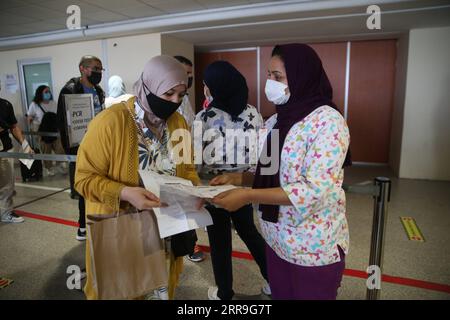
{"x": 182, "y": 213}
{"x": 27, "y": 149}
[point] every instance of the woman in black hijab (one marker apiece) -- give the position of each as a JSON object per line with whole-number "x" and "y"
{"x": 229, "y": 111}
{"x": 301, "y": 202}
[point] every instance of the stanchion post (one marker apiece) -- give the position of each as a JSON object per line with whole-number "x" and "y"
{"x": 383, "y": 185}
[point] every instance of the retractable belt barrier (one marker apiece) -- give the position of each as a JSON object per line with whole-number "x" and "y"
{"x": 39, "y": 156}
{"x": 381, "y": 192}
{"x": 41, "y": 133}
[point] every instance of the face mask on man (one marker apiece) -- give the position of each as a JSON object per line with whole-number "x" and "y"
{"x": 163, "y": 109}
{"x": 95, "y": 77}
{"x": 276, "y": 92}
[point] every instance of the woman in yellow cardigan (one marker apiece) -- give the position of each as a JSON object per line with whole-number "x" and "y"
{"x": 132, "y": 136}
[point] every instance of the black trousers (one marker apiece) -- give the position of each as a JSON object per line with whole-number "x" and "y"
{"x": 219, "y": 235}
{"x": 81, "y": 203}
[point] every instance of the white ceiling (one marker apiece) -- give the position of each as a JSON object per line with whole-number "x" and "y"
{"x": 321, "y": 26}
{"x": 216, "y": 24}
{"x": 20, "y": 17}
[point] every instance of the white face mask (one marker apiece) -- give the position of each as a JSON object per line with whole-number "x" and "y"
{"x": 276, "y": 92}
{"x": 209, "y": 99}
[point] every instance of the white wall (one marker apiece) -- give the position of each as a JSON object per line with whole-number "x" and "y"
{"x": 128, "y": 55}
{"x": 425, "y": 149}
{"x": 64, "y": 62}
{"x": 175, "y": 47}
{"x": 401, "y": 66}
{"x": 124, "y": 56}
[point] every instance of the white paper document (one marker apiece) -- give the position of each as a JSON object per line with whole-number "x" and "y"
{"x": 182, "y": 199}
{"x": 27, "y": 162}
{"x": 204, "y": 192}
{"x": 27, "y": 149}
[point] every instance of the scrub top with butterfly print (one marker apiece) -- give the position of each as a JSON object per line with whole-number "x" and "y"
{"x": 236, "y": 139}
{"x": 309, "y": 232}
{"x": 154, "y": 154}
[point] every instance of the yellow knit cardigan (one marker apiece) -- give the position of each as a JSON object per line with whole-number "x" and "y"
{"x": 107, "y": 161}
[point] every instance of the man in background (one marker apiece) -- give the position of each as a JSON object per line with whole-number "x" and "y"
{"x": 88, "y": 83}
{"x": 8, "y": 124}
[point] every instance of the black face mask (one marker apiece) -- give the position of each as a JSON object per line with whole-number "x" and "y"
{"x": 95, "y": 78}
{"x": 190, "y": 80}
{"x": 163, "y": 109}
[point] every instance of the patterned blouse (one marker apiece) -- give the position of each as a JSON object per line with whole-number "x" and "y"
{"x": 309, "y": 232}
{"x": 154, "y": 154}
{"x": 216, "y": 123}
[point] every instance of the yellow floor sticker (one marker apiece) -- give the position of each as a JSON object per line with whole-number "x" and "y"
{"x": 5, "y": 282}
{"x": 412, "y": 230}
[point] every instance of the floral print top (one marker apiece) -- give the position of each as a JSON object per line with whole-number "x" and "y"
{"x": 239, "y": 143}
{"x": 154, "y": 154}
{"x": 309, "y": 232}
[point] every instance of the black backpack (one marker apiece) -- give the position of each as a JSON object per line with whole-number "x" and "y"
{"x": 49, "y": 123}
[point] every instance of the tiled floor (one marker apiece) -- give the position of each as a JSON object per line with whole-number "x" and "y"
{"x": 36, "y": 253}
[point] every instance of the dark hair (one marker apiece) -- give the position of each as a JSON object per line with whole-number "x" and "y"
{"x": 277, "y": 52}
{"x": 38, "y": 95}
{"x": 86, "y": 60}
{"x": 184, "y": 60}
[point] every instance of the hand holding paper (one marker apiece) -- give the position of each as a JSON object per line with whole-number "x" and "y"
{"x": 233, "y": 199}
{"x": 140, "y": 198}
{"x": 233, "y": 178}
{"x": 27, "y": 149}
{"x": 185, "y": 208}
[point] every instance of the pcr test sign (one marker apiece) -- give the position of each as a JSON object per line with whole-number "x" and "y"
{"x": 79, "y": 112}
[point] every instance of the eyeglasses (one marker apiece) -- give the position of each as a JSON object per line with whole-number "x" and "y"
{"x": 96, "y": 69}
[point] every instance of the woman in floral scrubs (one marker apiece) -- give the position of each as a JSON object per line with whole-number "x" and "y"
{"x": 301, "y": 202}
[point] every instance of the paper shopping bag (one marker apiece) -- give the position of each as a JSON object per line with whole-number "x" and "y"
{"x": 127, "y": 255}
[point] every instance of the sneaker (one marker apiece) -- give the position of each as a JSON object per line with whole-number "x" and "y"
{"x": 48, "y": 172}
{"x": 159, "y": 294}
{"x": 266, "y": 289}
{"x": 61, "y": 170}
{"x": 212, "y": 293}
{"x": 12, "y": 217}
{"x": 81, "y": 234}
{"x": 197, "y": 256}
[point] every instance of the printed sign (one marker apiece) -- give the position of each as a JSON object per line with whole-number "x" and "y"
{"x": 79, "y": 112}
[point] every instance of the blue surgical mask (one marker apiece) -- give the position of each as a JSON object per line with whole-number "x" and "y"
{"x": 47, "y": 96}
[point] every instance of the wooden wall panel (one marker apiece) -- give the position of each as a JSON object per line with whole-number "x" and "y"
{"x": 333, "y": 56}
{"x": 267, "y": 108}
{"x": 371, "y": 88}
{"x": 371, "y": 96}
{"x": 334, "y": 60}
{"x": 201, "y": 61}
{"x": 244, "y": 61}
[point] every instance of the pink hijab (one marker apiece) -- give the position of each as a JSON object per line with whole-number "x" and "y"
{"x": 161, "y": 73}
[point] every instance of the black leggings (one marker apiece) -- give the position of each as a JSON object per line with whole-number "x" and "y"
{"x": 81, "y": 203}
{"x": 219, "y": 235}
